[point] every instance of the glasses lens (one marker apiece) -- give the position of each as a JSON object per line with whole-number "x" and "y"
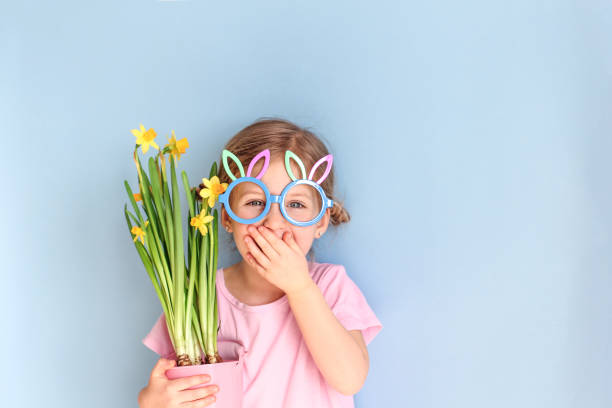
{"x": 247, "y": 200}
{"x": 303, "y": 202}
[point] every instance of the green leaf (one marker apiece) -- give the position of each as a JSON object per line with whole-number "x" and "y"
{"x": 132, "y": 200}
{"x": 190, "y": 194}
{"x": 213, "y": 170}
{"x": 127, "y": 218}
{"x": 179, "y": 259}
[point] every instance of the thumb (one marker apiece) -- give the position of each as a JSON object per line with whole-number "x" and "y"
{"x": 163, "y": 364}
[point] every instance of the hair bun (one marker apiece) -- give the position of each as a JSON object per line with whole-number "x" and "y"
{"x": 339, "y": 214}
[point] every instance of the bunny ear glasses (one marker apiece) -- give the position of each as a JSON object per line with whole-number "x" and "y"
{"x": 280, "y": 199}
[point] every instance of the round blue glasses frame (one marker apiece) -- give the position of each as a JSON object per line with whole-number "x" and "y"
{"x": 270, "y": 198}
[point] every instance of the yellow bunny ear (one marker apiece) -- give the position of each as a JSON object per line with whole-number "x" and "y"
{"x": 224, "y": 155}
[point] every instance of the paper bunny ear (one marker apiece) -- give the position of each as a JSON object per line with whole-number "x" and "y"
{"x": 329, "y": 159}
{"x": 225, "y": 154}
{"x": 290, "y": 155}
{"x": 266, "y": 155}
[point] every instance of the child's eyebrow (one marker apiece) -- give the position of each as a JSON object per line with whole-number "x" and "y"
{"x": 301, "y": 195}
{"x": 252, "y": 190}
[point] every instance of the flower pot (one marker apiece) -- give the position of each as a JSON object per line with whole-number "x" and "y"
{"x": 227, "y": 375}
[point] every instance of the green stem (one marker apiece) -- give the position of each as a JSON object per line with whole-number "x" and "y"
{"x": 203, "y": 293}
{"x": 210, "y": 309}
{"x": 179, "y": 264}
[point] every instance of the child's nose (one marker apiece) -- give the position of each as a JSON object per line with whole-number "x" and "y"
{"x": 274, "y": 219}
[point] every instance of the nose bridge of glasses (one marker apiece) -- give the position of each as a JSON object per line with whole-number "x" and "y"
{"x": 274, "y": 213}
{"x": 275, "y": 199}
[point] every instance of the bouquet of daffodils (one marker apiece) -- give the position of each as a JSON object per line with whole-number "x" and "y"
{"x": 186, "y": 290}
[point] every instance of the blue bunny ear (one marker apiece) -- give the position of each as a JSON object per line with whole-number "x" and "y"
{"x": 290, "y": 155}
{"x": 224, "y": 155}
{"x": 329, "y": 159}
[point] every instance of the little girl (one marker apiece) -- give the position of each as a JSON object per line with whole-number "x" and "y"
{"x": 300, "y": 327}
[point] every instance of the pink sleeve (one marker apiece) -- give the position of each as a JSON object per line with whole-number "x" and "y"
{"x": 348, "y": 303}
{"x": 158, "y": 339}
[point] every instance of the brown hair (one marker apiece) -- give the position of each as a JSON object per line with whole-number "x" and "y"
{"x": 279, "y": 135}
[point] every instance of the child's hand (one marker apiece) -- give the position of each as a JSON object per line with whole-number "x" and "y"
{"x": 164, "y": 393}
{"x": 280, "y": 261}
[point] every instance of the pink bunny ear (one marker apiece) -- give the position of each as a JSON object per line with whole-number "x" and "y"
{"x": 266, "y": 154}
{"x": 329, "y": 159}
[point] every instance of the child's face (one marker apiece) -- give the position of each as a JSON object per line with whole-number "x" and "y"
{"x": 276, "y": 179}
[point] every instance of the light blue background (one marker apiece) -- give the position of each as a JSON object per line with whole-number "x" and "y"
{"x": 471, "y": 145}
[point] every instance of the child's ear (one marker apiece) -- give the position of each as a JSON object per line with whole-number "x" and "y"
{"x": 324, "y": 222}
{"x": 224, "y": 218}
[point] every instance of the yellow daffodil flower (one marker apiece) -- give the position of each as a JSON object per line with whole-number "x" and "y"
{"x": 177, "y": 147}
{"x": 139, "y": 233}
{"x": 200, "y": 222}
{"x": 137, "y": 197}
{"x": 144, "y": 138}
{"x": 213, "y": 189}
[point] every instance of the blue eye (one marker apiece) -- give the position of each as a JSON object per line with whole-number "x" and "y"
{"x": 295, "y": 202}
{"x": 254, "y": 201}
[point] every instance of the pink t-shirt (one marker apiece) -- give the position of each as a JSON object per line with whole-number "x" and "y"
{"x": 279, "y": 370}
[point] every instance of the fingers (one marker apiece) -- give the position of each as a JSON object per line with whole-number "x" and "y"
{"x": 288, "y": 238}
{"x": 200, "y": 403}
{"x": 163, "y": 364}
{"x": 265, "y": 239}
{"x": 256, "y": 252}
{"x": 200, "y": 393}
{"x": 180, "y": 384}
